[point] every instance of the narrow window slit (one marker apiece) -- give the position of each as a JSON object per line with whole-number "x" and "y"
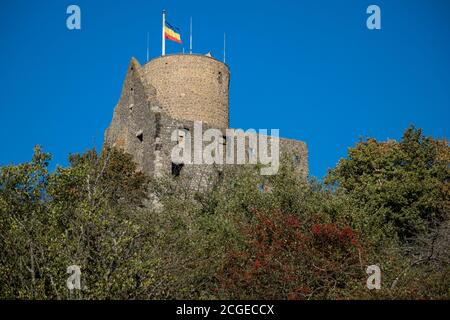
{"x": 140, "y": 135}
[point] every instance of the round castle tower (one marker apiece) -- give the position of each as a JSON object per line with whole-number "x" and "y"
{"x": 190, "y": 87}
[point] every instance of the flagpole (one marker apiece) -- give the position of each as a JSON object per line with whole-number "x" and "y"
{"x": 224, "y": 47}
{"x": 147, "y": 46}
{"x": 163, "y": 36}
{"x": 190, "y": 39}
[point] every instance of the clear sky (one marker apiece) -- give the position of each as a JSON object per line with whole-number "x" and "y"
{"x": 310, "y": 68}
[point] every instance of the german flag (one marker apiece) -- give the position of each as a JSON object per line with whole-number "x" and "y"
{"x": 172, "y": 33}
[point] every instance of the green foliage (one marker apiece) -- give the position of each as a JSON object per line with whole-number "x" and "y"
{"x": 240, "y": 236}
{"x": 401, "y": 187}
{"x": 80, "y": 215}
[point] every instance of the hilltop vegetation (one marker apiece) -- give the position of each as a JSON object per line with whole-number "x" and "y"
{"x": 387, "y": 203}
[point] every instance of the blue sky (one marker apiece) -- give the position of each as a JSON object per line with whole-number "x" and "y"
{"x": 308, "y": 67}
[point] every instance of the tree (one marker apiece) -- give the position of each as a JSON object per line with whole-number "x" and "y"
{"x": 87, "y": 214}
{"x": 26, "y": 229}
{"x": 242, "y": 236}
{"x": 402, "y": 187}
{"x": 286, "y": 258}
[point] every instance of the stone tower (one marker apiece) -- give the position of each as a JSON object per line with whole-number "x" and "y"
{"x": 168, "y": 94}
{"x": 190, "y": 87}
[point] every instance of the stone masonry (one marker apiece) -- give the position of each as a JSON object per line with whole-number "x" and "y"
{"x": 167, "y": 94}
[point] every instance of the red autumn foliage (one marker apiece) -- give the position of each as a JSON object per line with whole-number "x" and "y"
{"x": 331, "y": 232}
{"x": 285, "y": 259}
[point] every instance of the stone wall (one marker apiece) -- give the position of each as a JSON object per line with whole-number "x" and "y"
{"x": 133, "y": 127}
{"x": 296, "y": 151}
{"x": 143, "y": 120}
{"x": 190, "y": 87}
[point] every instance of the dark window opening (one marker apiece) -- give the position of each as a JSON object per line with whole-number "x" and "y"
{"x": 176, "y": 169}
{"x": 224, "y": 140}
{"x": 182, "y": 135}
{"x": 157, "y": 124}
{"x": 296, "y": 159}
{"x": 140, "y": 136}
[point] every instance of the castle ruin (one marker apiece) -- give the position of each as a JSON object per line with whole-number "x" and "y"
{"x": 170, "y": 93}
